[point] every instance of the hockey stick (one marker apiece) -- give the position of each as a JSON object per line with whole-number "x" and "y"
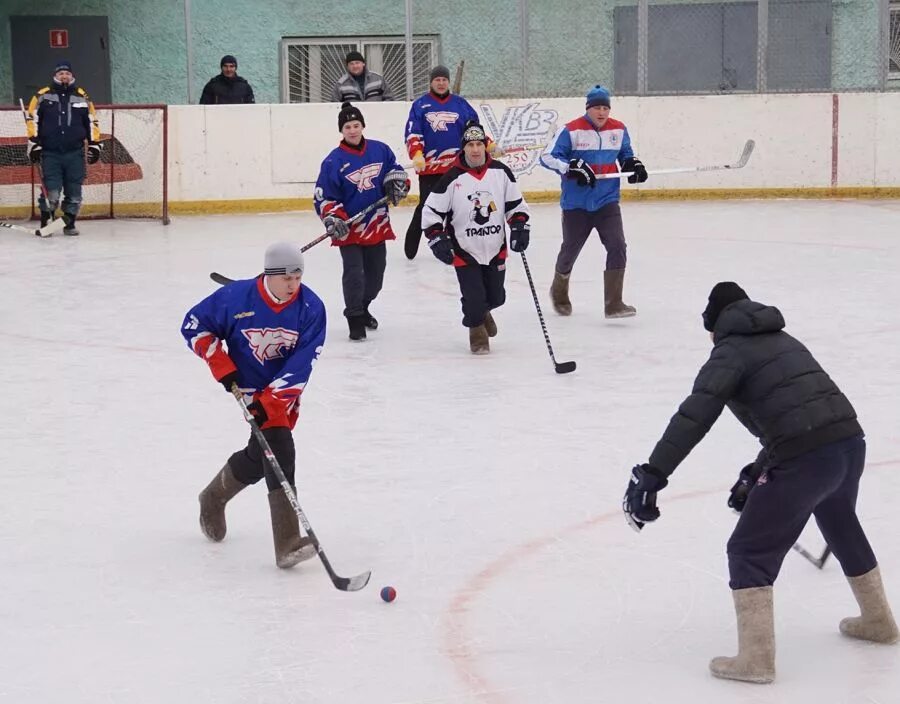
{"x": 457, "y": 79}
{"x": 345, "y": 584}
{"x": 739, "y": 164}
{"x": 52, "y": 227}
{"x": 222, "y": 280}
{"x": 560, "y": 367}
{"x": 817, "y": 561}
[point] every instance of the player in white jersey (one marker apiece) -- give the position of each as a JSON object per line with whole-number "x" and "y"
{"x": 465, "y": 219}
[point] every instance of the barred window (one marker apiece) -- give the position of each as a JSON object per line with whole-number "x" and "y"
{"x": 894, "y": 47}
{"x": 310, "y": 67}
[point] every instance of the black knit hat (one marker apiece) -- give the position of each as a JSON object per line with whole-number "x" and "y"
{"x": 354, "y": 56}
{"x": 473, "y": 132}
{"x": 439, "y": 72}
{"x": 722, "y": 295}
{"x": 228, "y": 59}
{"x": 347, "y": 114}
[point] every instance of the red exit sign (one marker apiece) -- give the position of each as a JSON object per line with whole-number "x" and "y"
{"x": 59, "y": 38}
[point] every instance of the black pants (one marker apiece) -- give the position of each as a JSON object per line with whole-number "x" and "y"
{"x": 481, "y": 287}
{"x": 414, "y": 231}
{"x": 250, "y": 465}
{"x": 363, "y": 275}
{"x": 823, "y": 483}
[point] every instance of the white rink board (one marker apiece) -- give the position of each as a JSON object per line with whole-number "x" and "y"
{"x": 274, "y": 151}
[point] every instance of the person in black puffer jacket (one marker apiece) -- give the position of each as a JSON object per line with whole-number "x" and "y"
{"x": 227, "y": 88}
{"x": 811, "y": 462}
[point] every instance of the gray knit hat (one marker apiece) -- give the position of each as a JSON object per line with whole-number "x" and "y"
{"x": 284, "y": 258}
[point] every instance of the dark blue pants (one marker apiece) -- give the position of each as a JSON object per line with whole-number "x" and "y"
{"x": 577, "y": 226}
{"x": 63, "y": 173}
{"x": 823, "y": 483}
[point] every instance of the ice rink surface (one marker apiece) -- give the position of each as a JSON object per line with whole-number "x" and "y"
{"x": 487, "y": 490}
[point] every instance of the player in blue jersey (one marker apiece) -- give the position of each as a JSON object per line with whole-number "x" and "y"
{"x": 433, "y": 134}
{"x": 582, "y": 149}
{"x": 264, "y": 335}
{"x": 356, "y": 174}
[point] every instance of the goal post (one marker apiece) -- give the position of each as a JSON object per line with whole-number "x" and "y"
{"x": 129, "y": 181}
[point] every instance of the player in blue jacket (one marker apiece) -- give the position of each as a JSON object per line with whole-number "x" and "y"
{"x": 263, "y": 334}
{"x": 433, "y": 134}
{"x": 355, "y": 175}
{"x": 583, "y": 148}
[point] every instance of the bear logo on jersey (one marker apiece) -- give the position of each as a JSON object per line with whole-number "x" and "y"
{"x": 482, "y": 207}
{"x": 270, "y": 343}
{"x": 363, "y": 178}
{"x": 438, "y": 121}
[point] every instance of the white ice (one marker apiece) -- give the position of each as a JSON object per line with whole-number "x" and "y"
{"x": 485, "y": 489}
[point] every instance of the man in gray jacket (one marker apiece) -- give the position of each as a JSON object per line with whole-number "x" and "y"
{"x": 359, "y": 83}
{"x": 810, "y": 465}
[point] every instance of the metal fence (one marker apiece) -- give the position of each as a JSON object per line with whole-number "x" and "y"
{"x": 637, "y": 47}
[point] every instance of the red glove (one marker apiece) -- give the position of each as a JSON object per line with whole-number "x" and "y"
{"x": 269, "y": 411}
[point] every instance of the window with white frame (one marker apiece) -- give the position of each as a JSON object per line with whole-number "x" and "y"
{"x": 894, "y": 42}
{"x": 311, "y": 66}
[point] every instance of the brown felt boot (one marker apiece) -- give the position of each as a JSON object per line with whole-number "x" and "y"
{"x": 875, "y": 622}
{"x": 755, "y": 661}
{"x": 559, "y": 294}
{"x": 222, "y": 489}
{"x": 290, "y": 547}
{"x": 613, "y": 282}
{"x": 478, "y": 340}
{"x": 490, "y": 325}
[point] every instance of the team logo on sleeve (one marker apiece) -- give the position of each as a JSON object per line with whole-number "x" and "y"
{"x": 363, "y": 178}
{"x": 439, "y": 120}
{"x": 482, "y": 207}
{"x": 270, "y": 343}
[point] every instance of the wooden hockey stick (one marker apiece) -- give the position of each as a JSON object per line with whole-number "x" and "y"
{"x": 52, "y": 227}
{"x": 457, "y": 80}
{"x": 739, "y": 164}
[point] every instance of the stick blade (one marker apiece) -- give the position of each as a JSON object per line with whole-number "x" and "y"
{"x": 352, "y": 584}
{"x": 54, "y": 226}
{"x": 220, "y": 279}
{"x": 745, "y": 155}
{"x": 564, "y": 367}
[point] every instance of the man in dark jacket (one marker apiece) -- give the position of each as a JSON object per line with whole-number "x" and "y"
{"x": 59, "y": 120}
{"x": 227, "y": 88}
{"x": 360, "y": 84}
{"x": 810, "y": 464}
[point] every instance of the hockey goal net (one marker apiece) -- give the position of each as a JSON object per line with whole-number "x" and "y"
{"x": 129, "y": 181}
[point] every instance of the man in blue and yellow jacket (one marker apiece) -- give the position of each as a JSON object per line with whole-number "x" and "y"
{"x": 59, "y": 119}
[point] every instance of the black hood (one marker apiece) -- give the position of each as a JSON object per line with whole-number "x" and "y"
{"x": 748, "y": 318}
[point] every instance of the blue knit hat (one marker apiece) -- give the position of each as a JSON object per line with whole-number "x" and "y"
{"x": 62, "y": 65}
{"x": 596, "y": 96}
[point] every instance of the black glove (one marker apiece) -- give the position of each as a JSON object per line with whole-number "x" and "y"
{"x": 639, "y": 503}
{"x": 93, "y": 155}
{"x": 336, "y": 228}
{"x": 519, "y": 233}
{"x": 34, "y": 152}
{"x": 640, "y": 171}
{"x": 441, "y": 245}
{"x": 396, "y": 186}
{"x": 740, "y": 492}
{"x": 228, "y": 380}
{"x": 258, "y": 411}
{"x": 582, "y": 172}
